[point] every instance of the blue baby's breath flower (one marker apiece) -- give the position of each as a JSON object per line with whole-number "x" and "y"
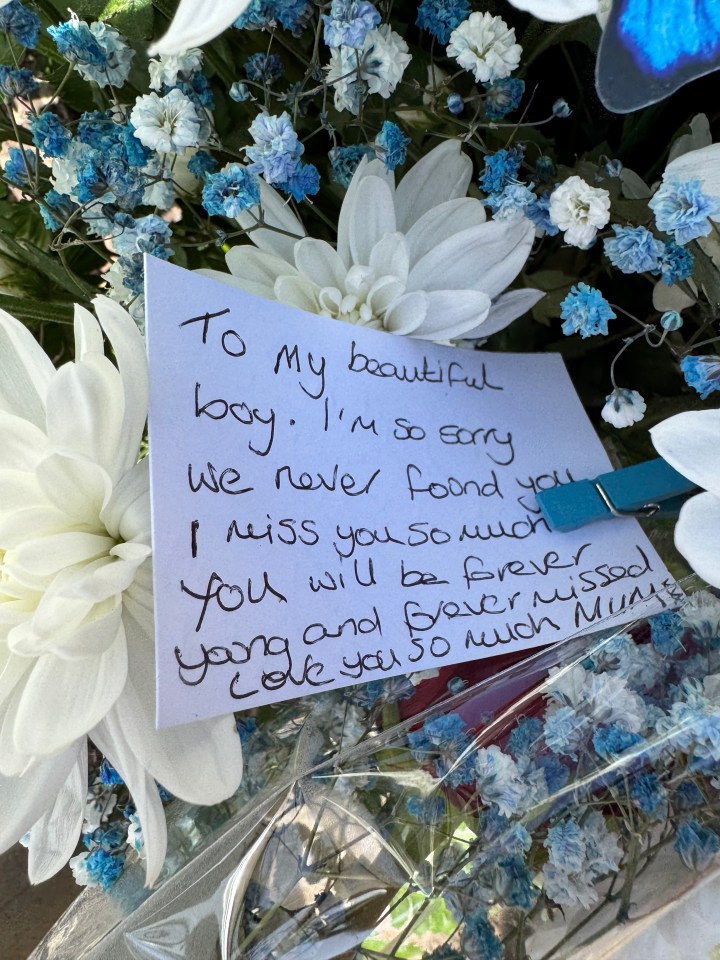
{"x": 149, "y": 234}
{"x": 443, "y": 740}
{"x": 198, "y": 89}
{"x": 526, "y": 738}
{"x": 440, "y": 17}
{"x": 201, "y": 163}
{"x": 671, "y": 320}
{"x": 503, "y": 96}
{"x": 455, "y": 104}
{"x": 98, "y": 869}
{"x": 479, "y": 940}
{"x": 239, "y": 92}
{"x": 634, "y": 250}
{"x": 56, "y": 209}
{"x": 539, "y": 212}
{"x": 264, "y": 68}
{"x": 230, "y": 191}
{"x": 676, "y": 263}
{"x": 49, "y": 135}
{"x": 498, "y": 780}
{"x": 262, "y": 14}
{"x": 681, "y": 208}
{"x": 500, "y": 169}
{"x": 666, "y": 630}
{"x": 276, "y": 150}
{"x": 391, "y": 145}
{"x": 702, "y": 373}
{"x": 696, "y": 845}
{"x": 649, "y": 795}
{"x": 611, "y": 741}
{"x": 585, "y": 311}
{"x": 513, "y": 201}
{"x": 556, "y": 773}
{"x": 345, "y": 160}
{"x": 21, "y": 23}
{"x": 513, "y": 882}
{"x": 687, "y": 796}
{"x": 17, "y": 165}
{"x": 545, "y": 167}
{"x": 98, "y": 52}
{"x": 108, "y": 774}
{"x": 565, "y": 845}
{"x": 17, "y": 83}
{"x": 304, "y": 181}
{"x": 349, "y": 22}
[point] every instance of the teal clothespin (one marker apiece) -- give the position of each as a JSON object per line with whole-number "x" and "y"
{"x": 645, "y": 490}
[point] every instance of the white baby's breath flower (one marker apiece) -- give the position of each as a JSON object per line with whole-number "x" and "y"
{"x": 485, "y": 46}
{"x": 168, "y": 124}
{"x": 76, "y": 611}
{"x": 579, "y": 210}
{"x": 377, "y": 67}
{"x": 623, "y": 408}
{"x": 419, "y": 259}
{"x": 167, "y": 70}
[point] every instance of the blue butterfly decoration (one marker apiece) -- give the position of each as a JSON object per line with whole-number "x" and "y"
{"x": 650, "y": 48}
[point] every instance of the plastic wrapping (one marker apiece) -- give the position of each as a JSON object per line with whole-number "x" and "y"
{"x": 568, "y": 806}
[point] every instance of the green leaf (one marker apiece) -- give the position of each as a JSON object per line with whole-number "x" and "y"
{"x": 34, "y": 312}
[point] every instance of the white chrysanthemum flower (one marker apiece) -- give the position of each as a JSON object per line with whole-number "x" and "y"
{"x": 485, "y": 46}
{"x": 417, "y": 259}
{"x": 168, "y": 124}
{"x": 623, "y": 408}
{"x": 166, "y": 70}
{"x": 76, "y": 614}
{"x": 379, "y": 64}
{"x": 579, "y": 210}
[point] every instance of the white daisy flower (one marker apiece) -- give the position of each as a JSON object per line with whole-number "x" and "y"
{"x": 76, "y": 611}
{"x": 485, "y": 46}
{"x": 417, "y": 259}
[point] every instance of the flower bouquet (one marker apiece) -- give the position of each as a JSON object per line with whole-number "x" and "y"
{"x": 565, "y": 807}
{"x": 534, "y": 175}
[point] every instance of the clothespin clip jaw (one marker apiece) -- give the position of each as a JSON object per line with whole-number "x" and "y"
{"x": 649, "y": 489}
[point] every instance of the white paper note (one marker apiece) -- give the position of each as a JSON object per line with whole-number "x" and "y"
{"x": 333, "y": 505}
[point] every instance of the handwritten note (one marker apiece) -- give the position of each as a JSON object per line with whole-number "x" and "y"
{"x": 333, "y": 504}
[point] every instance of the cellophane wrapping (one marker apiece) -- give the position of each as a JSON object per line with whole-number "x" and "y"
{"x": 567, "y": 806}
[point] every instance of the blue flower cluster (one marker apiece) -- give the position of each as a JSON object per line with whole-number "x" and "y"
{"x": 634, "y": 250}
{"x": 231, "y": 191}
{"x": 585, "y": 311}
{"x": 682, "y": 209}
{"x": 440, "y": 17}
{"x": 276, "y": 155}
{"x": 391, "y": 145}
{"x": 344, "y": 161}
{"x": 503, "y": 97}
{"x": 20, "y": 23}
{"x": 500, "y": 169}
{"x": 349, "y": 22}
{"x": 292, "y": 15}
{"x": 702, "y": 373}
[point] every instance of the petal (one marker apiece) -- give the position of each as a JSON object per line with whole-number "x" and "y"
{"x": 689, "y": 442}
{"x": 703, "y": 165}
{"x": 22, "y": 525}
{"x": 18, "y": 488}
{"x": 109, "y": 737}
{"x": 22, "y": 445}
{"x": 25, "y": 371}
{"x": 127, "y": 514}
{"x": 80, "y": 691}
{"x": 85, "y": 413}
{"x": 389, "y": 257}
{"x": 46, "y": 556}
{"x": 111, "y": 576}
{"x": 451, "y": 312}
{"x": 197, "y": 22}
{"x": 376, "y": 218}
{"x": 78, "y": 487}
{"x": 55, "y": 835}
{"x": 249, "y": 286}
{"x": 88, "y": 335}
{"x": 504, "y": 310}
{"x": 91, "y": 638}
{"x": 277, "y": 213}
{"x": 443, "y": 174}
{"x": 129, "y": 348}
{"x": 256, "y": 268}
{"x": 407, "y": 313}
{"x": 490, "y": 256}
{"x": 317, "y": 260}
{"x": 441, "y": 222}
{"x": 24, "y": 800}
{"x": 201, "y": 762}
{"x": 350, "y": 211}
{"x": 697, "y": 535}
{"x": 12, "y": 670}
{"x": 557, "y": 11}
{"x": 298, "y": 292}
